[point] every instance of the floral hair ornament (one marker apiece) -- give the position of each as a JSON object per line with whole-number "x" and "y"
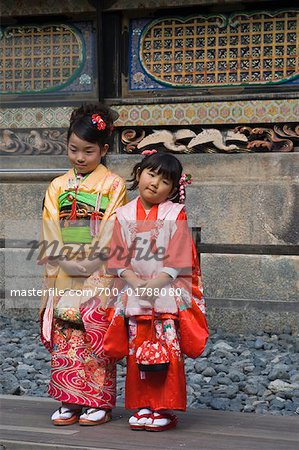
{"x": 184, "y": 181}
{"x": 98, "y": 121}
{"x": 149, "y": 152}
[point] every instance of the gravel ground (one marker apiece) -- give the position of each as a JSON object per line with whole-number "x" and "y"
{"x": 249, "y": 373}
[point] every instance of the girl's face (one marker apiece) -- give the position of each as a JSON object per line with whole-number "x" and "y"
{"x": 153, "y": 187}
{"x": 83, "y": 155}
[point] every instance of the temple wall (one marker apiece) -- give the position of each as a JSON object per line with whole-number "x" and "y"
{"x": 224, "y": 100}
{"x": 245, "y": 209}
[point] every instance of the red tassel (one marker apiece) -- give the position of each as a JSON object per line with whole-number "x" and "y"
{"x": 73, "y": 215}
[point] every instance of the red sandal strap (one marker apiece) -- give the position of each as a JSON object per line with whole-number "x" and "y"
{"x": 165, "y": 415}
{"x": 141, "y": 416}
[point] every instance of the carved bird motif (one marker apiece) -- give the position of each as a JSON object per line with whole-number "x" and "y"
{"x": 232, "y": 135}
{"x": 168, "y": 139}
{"x": 214, "y": 136}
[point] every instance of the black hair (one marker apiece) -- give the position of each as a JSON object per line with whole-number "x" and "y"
{"x": 165, "y": 164}
{"x": 81, "y": 123}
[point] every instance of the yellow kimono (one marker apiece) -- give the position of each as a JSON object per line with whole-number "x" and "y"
{"x": 81, "y": 373}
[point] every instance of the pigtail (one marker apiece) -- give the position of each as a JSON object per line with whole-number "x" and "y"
{"x": 133, "y": 180}
{"x": 175, "y": 198}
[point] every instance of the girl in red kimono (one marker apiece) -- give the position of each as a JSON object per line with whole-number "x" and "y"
{"x": 161, "y": 300}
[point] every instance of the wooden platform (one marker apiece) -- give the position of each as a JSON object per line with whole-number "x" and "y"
{"x": 25, "y": 424}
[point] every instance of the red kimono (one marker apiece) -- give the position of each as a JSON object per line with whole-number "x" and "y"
{"x": 165, "y": 227}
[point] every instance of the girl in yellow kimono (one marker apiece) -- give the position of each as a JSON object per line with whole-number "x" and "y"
{"x": 77, "y": 227}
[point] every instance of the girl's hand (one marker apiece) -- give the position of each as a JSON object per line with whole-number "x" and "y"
{"x": 90, "y": 266}
{"x": 153, "y": 286}
{"x": 136, "y": 283}
{"x": 53, "y": 261}
{"x": 73, "y": 268}
{"x": 132, "y": 279}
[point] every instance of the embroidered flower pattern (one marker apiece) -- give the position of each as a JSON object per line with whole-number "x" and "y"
{"x": 68, "y": 314}
{"x": 166, "y": 338}
{"x": 71, "y": 353}
{"x": 171, "y": 338}
{"x": 132, "y": 227}
{"x": 201, "y": 304}
{"x": 99, "y": 376}
{"x": 151, "y": 353}
{"x": 156, "y": 229}
{"x": 78, "y": 371}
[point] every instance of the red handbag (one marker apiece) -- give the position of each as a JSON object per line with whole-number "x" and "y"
{"x": 152, "y": 356}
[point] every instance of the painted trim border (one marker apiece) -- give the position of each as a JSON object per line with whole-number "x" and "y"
{"x": 169, "y": 114}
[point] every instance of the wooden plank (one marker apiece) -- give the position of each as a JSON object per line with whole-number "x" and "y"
{"x": 204, "y": 429}
{"x": 235, "y": 249}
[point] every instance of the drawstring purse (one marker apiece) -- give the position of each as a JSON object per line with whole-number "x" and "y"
{"x": 68, "y": 307}
{"x": 152, "y": 356}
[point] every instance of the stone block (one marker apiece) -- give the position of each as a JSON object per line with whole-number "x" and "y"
{"x": 265, "y": 278}
{"x": 22, "y": 279}
{"x": 22, "y": 207}
{"x": 235, "y": 199}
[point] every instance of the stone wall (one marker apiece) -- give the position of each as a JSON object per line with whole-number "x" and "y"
{"x": 245, "y": 205}
{"x": 244, "y": 202}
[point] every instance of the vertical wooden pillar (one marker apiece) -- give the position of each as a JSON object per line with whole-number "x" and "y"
{"x": 100, "y": 53}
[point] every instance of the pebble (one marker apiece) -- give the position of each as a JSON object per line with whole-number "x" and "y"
{"x": 209, "y": 372}
{"x": 221, "y": 345}
{"x": 250, "y": 373}
{"x": 259, "y": 343}
{"x": 282, "y": 386}
{"x": 279, "y": 372}
{"x": 250, "y": 389}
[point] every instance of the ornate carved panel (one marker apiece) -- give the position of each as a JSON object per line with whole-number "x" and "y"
{"x": 33, "y": 142}
{"x": 242, "y": 49}
{"x": 41, "y": 59}
{"x": 280, "y": 138}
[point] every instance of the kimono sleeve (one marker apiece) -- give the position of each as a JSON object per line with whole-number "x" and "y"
{"x": 118, "y": 197}
{"x": 119, "y": 252}
{"x": 51, "y": 241}
{"x": 179, "y": 250}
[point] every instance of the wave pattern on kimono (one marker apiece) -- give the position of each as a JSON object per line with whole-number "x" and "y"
{"x": 78, "y": 374}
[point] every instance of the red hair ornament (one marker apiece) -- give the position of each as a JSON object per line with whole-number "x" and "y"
{"x": 184, "y": 181}
{"x": 98, "y": 122}
{"x": 148, "y": 152}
